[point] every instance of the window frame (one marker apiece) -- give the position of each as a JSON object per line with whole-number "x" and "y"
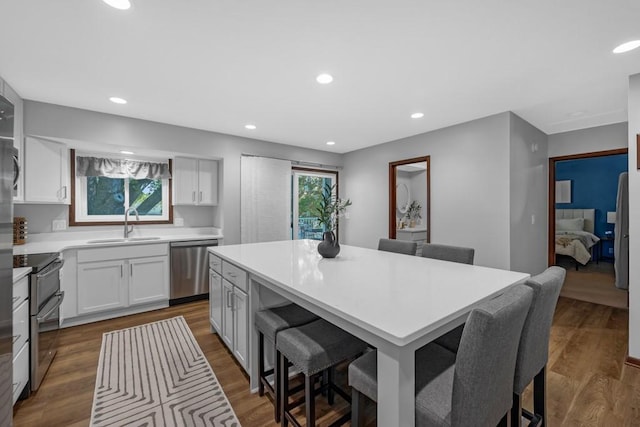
{"x": 77, "y": 219}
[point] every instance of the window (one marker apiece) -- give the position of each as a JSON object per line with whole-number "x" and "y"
{"x": 307, "y": 192}
{"x": 106, "y": 188}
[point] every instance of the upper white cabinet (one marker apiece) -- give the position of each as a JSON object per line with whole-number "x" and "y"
{"x": 46, "y": 172}
{"x": 195, "y": 182}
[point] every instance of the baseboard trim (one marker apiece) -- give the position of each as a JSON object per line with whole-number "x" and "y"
{"x": 632, "y": 361}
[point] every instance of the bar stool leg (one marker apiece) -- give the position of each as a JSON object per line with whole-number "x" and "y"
{"x": 356, "y": 407}
{"x": 516, "y": 411}
{"x": 330, "y": 392}
{"x": 277, "y": 382}
{"x": 539, "y": 395}
{"x": 260, "y": 363}
{"x": 310, "y": 400}
{"x": 284, "y": 389}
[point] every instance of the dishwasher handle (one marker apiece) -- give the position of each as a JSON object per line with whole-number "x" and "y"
{"x": 193, "y": 243}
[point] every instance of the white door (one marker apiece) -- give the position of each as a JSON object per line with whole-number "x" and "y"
{"x": 207, "y": 182}
{"x": 307, "y": 189}
{"x": 101, "y": 286}
{"x": 227, "y": 313}
{"x": 215, "y": 300}
{"x": 148, "y": 279}
{"x": 185, "y": 181}
{"x": 241, "y": 326}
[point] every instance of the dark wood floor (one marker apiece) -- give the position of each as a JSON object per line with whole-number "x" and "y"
{"x": 588, "y": 383}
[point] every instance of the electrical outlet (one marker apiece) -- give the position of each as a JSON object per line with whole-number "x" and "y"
{"x": 178, "y": 222}
{"x": 59, "y": 225}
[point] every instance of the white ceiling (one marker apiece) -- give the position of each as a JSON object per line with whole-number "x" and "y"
{"x": 220, "y": 64}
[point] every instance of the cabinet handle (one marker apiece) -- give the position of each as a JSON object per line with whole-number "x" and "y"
{"x": 65, "y": 192}
{"x": 232, "y": 275}
{"x": 16, "y": 298}
{"x": 201, "y": 196}
{"x": 121, "y": 270}
{"x": 131, "y": 269}
{"x": 233, "y": 302}
{"x": 193, "y": 196}
{"x": 16, "y": 338}
{"x": 15, "y": 386}
{"x": 228, "y": 299}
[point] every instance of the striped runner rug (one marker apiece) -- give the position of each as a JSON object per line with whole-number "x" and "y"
{"x": 157, "y": 375}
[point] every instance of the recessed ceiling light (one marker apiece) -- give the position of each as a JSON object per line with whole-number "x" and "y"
{"x": 417, "y": 115}
{"x": 126, "y": 152}
{"x": 331, "y": 143}
{"x": 250, "y": 127}
{"x": 117, "y": 100}
{"x": 324, "y": 79}
{"x": 118, "y": 4}
{"x": 626, "y": 47}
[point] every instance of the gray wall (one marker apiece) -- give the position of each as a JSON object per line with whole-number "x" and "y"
{"x": 469, "y": 187}
{"x": 528, "y": 196}
{"x": 82, "y": 127}
{"x": 590, "y": 140}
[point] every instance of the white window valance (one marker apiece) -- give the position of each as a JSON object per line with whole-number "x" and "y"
{"x": 121, "y": 168}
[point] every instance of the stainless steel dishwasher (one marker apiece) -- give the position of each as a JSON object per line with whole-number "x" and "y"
{"x": 189, "y": 271}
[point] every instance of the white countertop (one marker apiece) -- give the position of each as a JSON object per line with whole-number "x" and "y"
{"x": 392, "y": 295}
{"x": 59, "y": 241}
{"x": 411, "y": 229}
{"x": 19, "y": 273}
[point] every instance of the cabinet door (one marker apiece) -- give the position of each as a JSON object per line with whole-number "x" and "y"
{"x": 240, "y": 326}
{"x": 207, "y": 182}
{"x": 101, "y": 286}
{"x": 215, "y": 300}
{"x": 227, "y": 313}
{"x": 148, "y": 279}
{"x": 46, "y": 173}
{"x": 185, "y": 181}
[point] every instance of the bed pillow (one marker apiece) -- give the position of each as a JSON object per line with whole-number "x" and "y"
{"x": 574, "y": 224}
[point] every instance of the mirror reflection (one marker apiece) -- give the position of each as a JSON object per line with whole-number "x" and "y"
{"x": 409, "y": 204}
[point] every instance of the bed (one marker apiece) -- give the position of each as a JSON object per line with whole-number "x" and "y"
{"x": 574, "y": 234}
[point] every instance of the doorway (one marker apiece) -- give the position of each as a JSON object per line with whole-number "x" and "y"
{"x": 307, "y": 187}
{"x": 584, "y": 188}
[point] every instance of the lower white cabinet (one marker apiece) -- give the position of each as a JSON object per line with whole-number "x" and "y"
{"x": 20, "y": 336}
{"x": 215, "y": 301}
{"x": 229, "y": 308}
{"x": 128, "y": 279}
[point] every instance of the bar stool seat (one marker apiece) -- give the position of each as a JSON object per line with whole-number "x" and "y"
{"x": 269, "y": 322}
{"x": 314, "y": 348}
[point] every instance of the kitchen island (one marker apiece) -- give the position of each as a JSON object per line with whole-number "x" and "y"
{"x": 396, "y": 303}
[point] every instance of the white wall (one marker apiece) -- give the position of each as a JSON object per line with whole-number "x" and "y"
{"x": 589, "y": 140}
{"x": 72, "y": 124}
{"x": 528, "y": 197}
{"x": 634, "y": 218}
{"x": 469, "y": 187}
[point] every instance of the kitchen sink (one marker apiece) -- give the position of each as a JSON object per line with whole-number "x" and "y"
{"x": 121, "y": 240}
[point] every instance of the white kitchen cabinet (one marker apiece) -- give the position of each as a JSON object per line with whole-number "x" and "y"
{"x": 114, "y": 278}
{"x": 101, "y": 286}
{"x": 215, "y": 301}
{"x": 46, "y": 172}
{"x": 240, "y": 308}
{"x": 227, "y": 313}
{"x": 195, "y": 182}
{"x": 20, "y": 336}
{"x": 148, "y": 280}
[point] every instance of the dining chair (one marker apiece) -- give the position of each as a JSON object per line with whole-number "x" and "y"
{"x": 448, "y": 253}
{"x": 397, "y": 246}
{"x": 269, "y": 323}
{"x": 458, "y": 254}
{"x": 472, "y": 387}
{"x": 533, "y": 352}
{"x": 314, "y": 348}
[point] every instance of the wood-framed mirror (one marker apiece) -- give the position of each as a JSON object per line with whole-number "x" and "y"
{"x": 410, "y": 199}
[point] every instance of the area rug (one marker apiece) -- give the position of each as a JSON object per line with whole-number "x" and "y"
{"x": 157, "y": 375}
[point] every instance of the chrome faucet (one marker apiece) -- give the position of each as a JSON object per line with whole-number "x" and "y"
{"x": 129, "y": 228}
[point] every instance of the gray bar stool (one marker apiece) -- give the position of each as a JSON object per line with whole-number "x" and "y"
{"x": 397, "y": 246}
{"x": 470, "y": 388}
{"x": 269, "y": 323}
{"x": 314, "y": 348}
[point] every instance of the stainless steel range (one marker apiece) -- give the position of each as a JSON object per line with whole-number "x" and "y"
{"x": 45, "y": 300}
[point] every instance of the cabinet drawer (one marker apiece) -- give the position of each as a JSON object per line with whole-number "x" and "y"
{"x": 20, "y": 326}
{"x": 20, "y": 371}
{"x": 20, "y": 291}
{"x": 215, "y": 263}
{"x": 235, "y": 275}
{"x": 125, "y": 251}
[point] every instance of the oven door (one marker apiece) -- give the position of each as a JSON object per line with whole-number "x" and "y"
{"x": 44, "y": 285}
{"x": 45, "y": 326}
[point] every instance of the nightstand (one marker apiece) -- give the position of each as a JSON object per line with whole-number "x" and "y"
{"x": 603, "y": 239}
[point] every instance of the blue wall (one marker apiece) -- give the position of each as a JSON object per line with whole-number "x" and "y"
{"x": 594, "y": 184}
